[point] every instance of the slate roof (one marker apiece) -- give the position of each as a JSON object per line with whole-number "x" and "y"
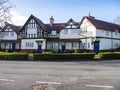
{"x": 47, "y": 27}
{"x": 14, "y": 28}
{"x": 102, "y": 24}
{"x": 55, "y": 26}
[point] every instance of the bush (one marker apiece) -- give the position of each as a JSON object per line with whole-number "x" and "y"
{"x": 13, "y": 56}
{"x": 51, "y": 51}
{"x": 110, "y": 55}
{"x": 63, "y": 56}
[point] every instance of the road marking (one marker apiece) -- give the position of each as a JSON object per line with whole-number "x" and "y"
{"x": 7, "y": 80}
{"x": 99, "y": 86}
{"x": 39, "y": 82}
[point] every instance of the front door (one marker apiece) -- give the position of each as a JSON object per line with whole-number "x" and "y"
{"x": 39, "y": 47}
{"x": 13, "y": 47}
{"x": 96, "y": 47}
{"x": 63, "y": 49}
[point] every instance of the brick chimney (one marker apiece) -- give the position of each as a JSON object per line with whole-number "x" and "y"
{"x": 51, "y": 21}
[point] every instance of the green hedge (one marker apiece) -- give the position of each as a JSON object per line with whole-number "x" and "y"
{"x": 63, "y": 56}
{"x": 13, "y": 56}
{"x": 109, "y": 56}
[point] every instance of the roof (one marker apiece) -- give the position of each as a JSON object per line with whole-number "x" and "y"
{"x": 55, "y": 26}
{"x": 14, "y": 28}
{"x": 102, "y": 24}
{"x": 47, "y": 27}
{"x": 39, "y": 22}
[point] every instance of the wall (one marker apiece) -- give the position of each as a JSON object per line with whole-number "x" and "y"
{"x": 68, "y": 45}
{"x": 87, "y": 27}
{"x": 35, "y": 41}
{"x": 69, "y": 35}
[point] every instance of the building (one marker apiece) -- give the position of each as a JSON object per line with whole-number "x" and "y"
{"x": 10, "y": 38}
{"x": 108, "y": 34}
{"x": 35, "y": 36}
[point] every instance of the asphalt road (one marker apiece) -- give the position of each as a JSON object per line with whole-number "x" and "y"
{"x": 84, "y": 75}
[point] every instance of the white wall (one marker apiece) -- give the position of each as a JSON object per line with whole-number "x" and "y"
{"x": 9, "y": 37}
{"x": 35, "y": 41}
{"x": 87, "y": 44}
{"x": 87, "y": 27}
{"x": 9, "y": 34}
{"x": 69, "y": 35}
{"x": 68, "y": 45}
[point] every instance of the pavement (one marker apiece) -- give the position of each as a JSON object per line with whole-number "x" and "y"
{"x": 75, "y": 75}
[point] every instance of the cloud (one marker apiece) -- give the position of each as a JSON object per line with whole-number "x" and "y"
{"x": 17, "y": 18}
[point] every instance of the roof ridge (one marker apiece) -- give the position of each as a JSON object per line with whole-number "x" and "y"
{"x": 101, "y": 20}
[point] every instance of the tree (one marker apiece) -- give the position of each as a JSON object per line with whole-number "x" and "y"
{"x": 4, "y": 11}
{"x": 117, "y": 20}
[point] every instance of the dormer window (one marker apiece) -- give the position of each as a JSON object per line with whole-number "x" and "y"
{"x": 54, "y": 33}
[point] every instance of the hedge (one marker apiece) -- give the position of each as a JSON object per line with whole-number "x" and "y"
{"x": 13, "y": 56}
{"x": 63, "y": 56}
{"x": 109, "y": 56}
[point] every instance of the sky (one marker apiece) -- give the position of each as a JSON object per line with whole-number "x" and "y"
{"x": 63, "y": 10}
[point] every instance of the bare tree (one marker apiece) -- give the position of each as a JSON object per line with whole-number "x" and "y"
{"x": 117, "y": 20}
{"x": 4, "y": 11}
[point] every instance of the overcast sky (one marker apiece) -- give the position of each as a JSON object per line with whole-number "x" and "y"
{"x": 63, "y": 10}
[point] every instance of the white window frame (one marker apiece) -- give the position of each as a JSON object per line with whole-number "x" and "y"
{"x": 53, "y": 33}
{"x": 65, "y": 31}
{"x": 75, "y": 44}
{"x": 29, "y": 44}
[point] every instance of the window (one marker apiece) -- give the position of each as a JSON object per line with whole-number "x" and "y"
{"x": 6, "y": 33}
{"x": 116, "y": 32}
{"x": 12, "y": 33}
{"x": 116, "y": 45}
{"x": 74, "y": 31}
{"x": 84, "y": 29}
{"x": 29, "y": 44}
{"x": 65, "y": 31}
{"x": 88, "y": 45}
{"x": 53, "y": 33}
{"x": 55, "y": 45}
{"x": 75, "y": 44}
{"x": 107, "y": 33}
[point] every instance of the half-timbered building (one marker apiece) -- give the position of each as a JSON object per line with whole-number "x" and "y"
{"x": 37, "y": 36}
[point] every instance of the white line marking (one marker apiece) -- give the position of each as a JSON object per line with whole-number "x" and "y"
{"x": 99, "y": 86}
{"x": 39, "y": 82}
{"x": 7, "y": 80}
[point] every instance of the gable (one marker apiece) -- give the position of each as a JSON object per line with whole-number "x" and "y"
{"x": 33, "y": 22}
{"x": 33, "y": 28}
{"x": 8, "y": 28}
{"x": 71, "y": 25}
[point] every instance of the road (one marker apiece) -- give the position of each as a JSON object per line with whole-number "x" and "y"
{"x": 84, "y": 75}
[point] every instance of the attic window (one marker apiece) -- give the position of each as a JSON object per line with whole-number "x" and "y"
{"x": 53, "y": 32}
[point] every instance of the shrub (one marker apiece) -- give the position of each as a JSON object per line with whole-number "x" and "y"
{"x": 110, "y": 55}
{"x": 13, "y": 56}
{"x": 63, "y": 56}
{"x": 51, "y": 51}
